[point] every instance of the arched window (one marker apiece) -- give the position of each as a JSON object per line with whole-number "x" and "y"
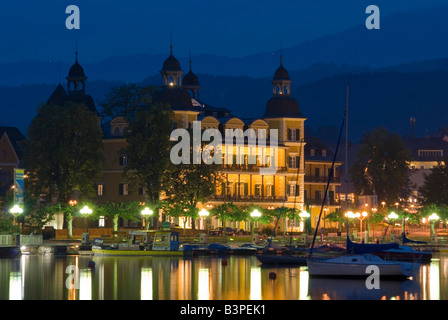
{"x": 171, "y": 81}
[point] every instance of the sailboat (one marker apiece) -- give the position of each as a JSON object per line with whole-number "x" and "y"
{"x": 354, "y": 265}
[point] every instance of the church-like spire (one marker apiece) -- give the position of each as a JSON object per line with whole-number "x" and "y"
{"x": 171, "y": 71}
{"x": 191, "y": 82}
{"x": 76, "y": 79}
{"x": 281, "y": 81}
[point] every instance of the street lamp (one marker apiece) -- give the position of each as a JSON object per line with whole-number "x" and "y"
{"x": 147, "y": 212}
{"x": 432, "y": 218}
{"x": 392, "y": 216}
{"x": 360, "y": 216}
{"x": 16, "y": 210}
{"x": 255, "y": 215}
{"x": 303, "y": 216}
{"x": 204, "y": 214}
{"x": 85, "y": 211}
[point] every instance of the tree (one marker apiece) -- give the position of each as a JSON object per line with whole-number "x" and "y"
{"x": 127, "y": 210}
{"x": 63, "y": 152}
{"x": 381, "y": 166}
{"x": 192, "y": 183}
{"x": 435, "y": 186}
{"x": 228, "y": 212}
{"x": 123, "y": 101}
{"x": 148, "y": 150}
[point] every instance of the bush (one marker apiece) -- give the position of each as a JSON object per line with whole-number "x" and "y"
{"x": 6, "y": 225}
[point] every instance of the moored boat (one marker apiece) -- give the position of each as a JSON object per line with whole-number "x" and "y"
{"x": 404, "y": 253}
{"x": 9, "y": 251}
{"x": 290, "y": 260}
{"x": 357, "y": 266}
{"x": 143, "y": 243}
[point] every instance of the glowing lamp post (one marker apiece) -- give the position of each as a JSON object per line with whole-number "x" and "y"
{"x": 433, "y": 218}
{"x": 392, "y": 216}
{"x": 254, "y": 215}
{"x": 147, "y": 212}
{"x": 85, "y": 211}
{"x": 303, "y": 216}
{"x": 361, "y": 217}
{"x": 16, "y": 210}
{"x": 204, "y": 215}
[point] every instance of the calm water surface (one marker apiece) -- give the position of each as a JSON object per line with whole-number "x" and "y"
{"x": 33, "y": 277}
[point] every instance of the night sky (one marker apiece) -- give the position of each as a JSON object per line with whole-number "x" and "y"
{"x": 36, "y": 29}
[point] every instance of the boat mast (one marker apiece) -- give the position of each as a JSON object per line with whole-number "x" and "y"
{"x": 330, "y": 176}
{"x": 346, "y": 157}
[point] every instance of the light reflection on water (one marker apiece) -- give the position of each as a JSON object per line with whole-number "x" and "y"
{"x": 206, "y": 278}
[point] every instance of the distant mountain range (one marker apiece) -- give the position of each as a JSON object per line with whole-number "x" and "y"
{"x": 404, "y": 37}
{"x": 377, "y": 97}
{"x": 395, "y": 73}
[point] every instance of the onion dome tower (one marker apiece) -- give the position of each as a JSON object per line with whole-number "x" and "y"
{"x": 191, "y": 83}
{"x": 76, "y": 79}
{"x": 76, "y": 85}
{"x": 172, "y": 91}
{"x": 282, "y": 105}
{"x": 171, "y": 71}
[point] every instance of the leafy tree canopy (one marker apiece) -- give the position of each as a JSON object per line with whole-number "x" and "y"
{"x": 63, "y": 152}
{"x": 381, "y": 166}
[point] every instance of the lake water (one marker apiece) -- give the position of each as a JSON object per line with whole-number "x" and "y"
{"x": 36, "y": 277}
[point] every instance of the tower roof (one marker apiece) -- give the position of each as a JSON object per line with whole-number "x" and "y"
{"x": 190, "y": 79}
{"x": 58, "y": 96}
{"x": 76, "y": 71}
{"x": 282, "y": 106}
{"x": 177, "y": 98}
{"x": 171, "y": 63}
{"x": 281, "y": 74}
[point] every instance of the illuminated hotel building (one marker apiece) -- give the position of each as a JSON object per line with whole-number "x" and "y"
{"x": 301, "y": 176}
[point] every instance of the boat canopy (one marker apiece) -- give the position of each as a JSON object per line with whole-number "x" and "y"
{"x": 362, "y": 248}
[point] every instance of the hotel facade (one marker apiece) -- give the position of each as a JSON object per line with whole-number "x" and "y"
{"x": 302, "y": 164}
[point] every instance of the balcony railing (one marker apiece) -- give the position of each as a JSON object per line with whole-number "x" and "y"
{"x": 309, "y": 179}
{"x": 331, "y": 202}
{"x": 247, "y": 168}
{"x": 230, "y": 198}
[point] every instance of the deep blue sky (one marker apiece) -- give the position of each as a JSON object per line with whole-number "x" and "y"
{"x": 32, "y": 29}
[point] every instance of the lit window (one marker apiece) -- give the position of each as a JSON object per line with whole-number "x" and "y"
{"x": 100, "y": 189}
{"x": 123, "y": 189}
{"x": 102, "y": 222}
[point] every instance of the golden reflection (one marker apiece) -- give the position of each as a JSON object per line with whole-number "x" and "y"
{"x": 203, "y": 284}
{"x": 146, "y": 284}
{"x": 15, "y": 285}
{"x": 303, "y": 284}
{"x": 203, "y": 278}
{"x": 255, "y": 283}
{"x": 434, "y": 280}
{"x": 85, "y": 285}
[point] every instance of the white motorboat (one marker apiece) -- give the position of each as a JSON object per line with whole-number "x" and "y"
{"x": 357, "y": 266}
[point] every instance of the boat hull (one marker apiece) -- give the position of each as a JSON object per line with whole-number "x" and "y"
{"x": 10, "y": 251}
{"x": 358, "y": 267}
{"x": 135, "y": 253}
{"x": 281, "y": 259}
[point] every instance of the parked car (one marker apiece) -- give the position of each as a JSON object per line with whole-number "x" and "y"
{"x": 219, "y": 231}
